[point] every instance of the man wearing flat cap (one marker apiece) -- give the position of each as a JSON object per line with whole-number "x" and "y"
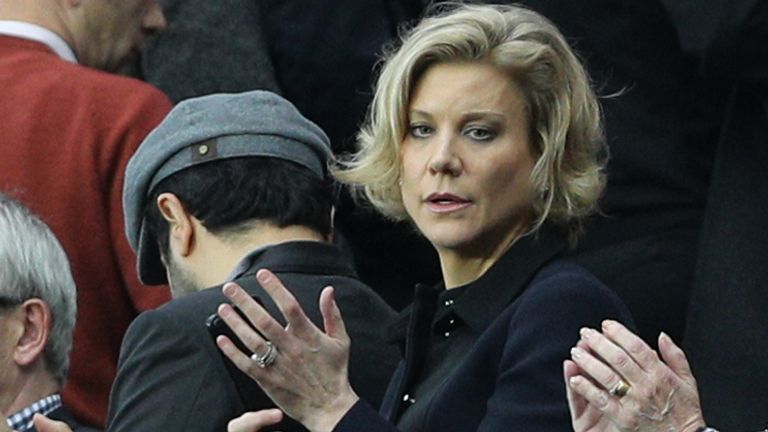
{"x": 226, "y": 185}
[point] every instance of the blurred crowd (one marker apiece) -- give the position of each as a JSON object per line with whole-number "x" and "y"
{"x": 154, "y": 151}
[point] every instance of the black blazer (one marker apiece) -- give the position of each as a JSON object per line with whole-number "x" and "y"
{"x": 525, "y": 314}
{"x": 172, "y": 377}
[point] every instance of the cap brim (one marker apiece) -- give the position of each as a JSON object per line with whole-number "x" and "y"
{"x": 150, "y": 268}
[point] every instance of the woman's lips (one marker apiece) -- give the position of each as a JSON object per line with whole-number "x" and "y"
{"x": 446, "y": 202}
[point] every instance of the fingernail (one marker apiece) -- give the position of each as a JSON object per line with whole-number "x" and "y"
{"x": 586, "y": 333}
{"x": 576, "y": 353}
{"x": 607, "y": 324}
{"x": 222, "y": 309}
{"x": 262, "y": 275}
{"x": 664, "y": 338}
{"x": 574, "y": 381}
{"x": 228, "y": 290}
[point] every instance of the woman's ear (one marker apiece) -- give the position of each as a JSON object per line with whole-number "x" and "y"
{"x": 180, "y": 228}
{"x": 34, "y": 315}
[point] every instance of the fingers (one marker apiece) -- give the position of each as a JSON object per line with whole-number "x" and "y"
{"x": 255, "y": 421}
{"x": 590, "y": 365}
{"x": 675, "y": 358}
{"x": 286, "y": 302}
{"x": 613, "y": 356}
{"x": 250, "y": 338}
{"x": 576, "y": 402}
{"x": 332, "y": 320}
{"x": 44, "y": 424}
{"x": 593, "y": 395}
{"x": 254, "y": 312}
{"x": 641, "y": 353}
{"x": 240, "y": 359}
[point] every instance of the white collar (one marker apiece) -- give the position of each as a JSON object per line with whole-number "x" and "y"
{"x": 39, "y": 34}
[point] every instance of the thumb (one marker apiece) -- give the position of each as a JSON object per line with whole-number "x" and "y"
{"x": 675, "y": 358}
{"x": 44, "y": 424}
{"x": 255, "y": 420}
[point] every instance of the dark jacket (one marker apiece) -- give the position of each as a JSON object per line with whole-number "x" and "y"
{"x": 518, "y": 321}
{"x": 172, "y": 377}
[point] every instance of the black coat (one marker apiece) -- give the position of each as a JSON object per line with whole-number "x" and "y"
{"x": 515, "y": 325}
{"x": 172, "y": 377}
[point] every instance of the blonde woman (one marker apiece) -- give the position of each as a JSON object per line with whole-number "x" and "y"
{"x": 485, "y": 134}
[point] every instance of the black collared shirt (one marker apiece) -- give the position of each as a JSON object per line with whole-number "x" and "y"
{"x": 443, "y": 325}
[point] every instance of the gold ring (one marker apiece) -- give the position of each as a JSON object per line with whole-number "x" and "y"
{"x": 620, "y": 389}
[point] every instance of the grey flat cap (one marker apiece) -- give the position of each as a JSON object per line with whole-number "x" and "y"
{"x": 253, "y": 124}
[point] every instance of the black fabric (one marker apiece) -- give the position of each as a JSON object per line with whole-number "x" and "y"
{"x": 171, "y": 376}
{"x": 208, "y": 47}
{"x": 727, "y": 333}
{"x": 727, "y": 336}
{"x": 502, "y": 368}
{"x": 437, "y": 345}
{"x": 662, "y": 121}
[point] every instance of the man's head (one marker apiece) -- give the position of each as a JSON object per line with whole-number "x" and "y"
{"x": 37, "y": 304}
{"x": 223, "y": 169}
{"x": 104, "y": 34}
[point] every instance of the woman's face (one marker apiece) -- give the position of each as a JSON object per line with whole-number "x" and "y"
{"x": 466, "y": 159}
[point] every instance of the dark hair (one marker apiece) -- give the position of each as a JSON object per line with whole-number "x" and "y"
{"x": 228, "y": 195}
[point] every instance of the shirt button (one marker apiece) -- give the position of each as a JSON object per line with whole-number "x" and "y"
{"x": 409, "y": 399}
{"x": 447, "y": 334}
{"x": 448, "y": 303}
{"x": 451, "y": 321}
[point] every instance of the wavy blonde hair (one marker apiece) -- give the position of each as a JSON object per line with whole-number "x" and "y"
{"x": 565, "y": 119}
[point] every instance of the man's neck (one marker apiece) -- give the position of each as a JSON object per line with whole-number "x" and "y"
{"x": 37, "y": 386}
{"x": 220, "y": 255}
{"x": 43, "y": 14}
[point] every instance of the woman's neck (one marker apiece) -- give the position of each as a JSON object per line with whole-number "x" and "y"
{"x": 462, "y": 266}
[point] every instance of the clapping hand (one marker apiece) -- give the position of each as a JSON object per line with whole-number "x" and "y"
{"x": 302, "y": 368}
{"x": 616, "y": 382}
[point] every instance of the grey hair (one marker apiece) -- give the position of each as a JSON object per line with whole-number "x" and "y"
{"x": 33, "y": 265}
{"x": 566, "y": 125}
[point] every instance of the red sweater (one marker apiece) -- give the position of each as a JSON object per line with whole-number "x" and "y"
{"x": 66, "y": 135}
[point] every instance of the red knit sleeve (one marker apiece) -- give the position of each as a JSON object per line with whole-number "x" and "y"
{"x": 140, "y": 112}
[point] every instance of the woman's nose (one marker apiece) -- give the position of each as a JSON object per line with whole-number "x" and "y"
{"x": 444, "y": 159}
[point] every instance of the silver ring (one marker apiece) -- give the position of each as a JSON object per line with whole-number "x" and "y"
{"x": 268, "y": 358}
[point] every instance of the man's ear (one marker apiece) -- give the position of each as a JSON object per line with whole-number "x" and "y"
{"x": 180, "y": 228}
{"x": 35, "y": 318}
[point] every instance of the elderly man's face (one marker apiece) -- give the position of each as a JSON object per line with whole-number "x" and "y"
{"x": 108, "y": 32}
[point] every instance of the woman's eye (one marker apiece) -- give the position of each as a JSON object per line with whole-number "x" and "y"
{"x": 480, "y": 134}
{"x": 419, "y": 131}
